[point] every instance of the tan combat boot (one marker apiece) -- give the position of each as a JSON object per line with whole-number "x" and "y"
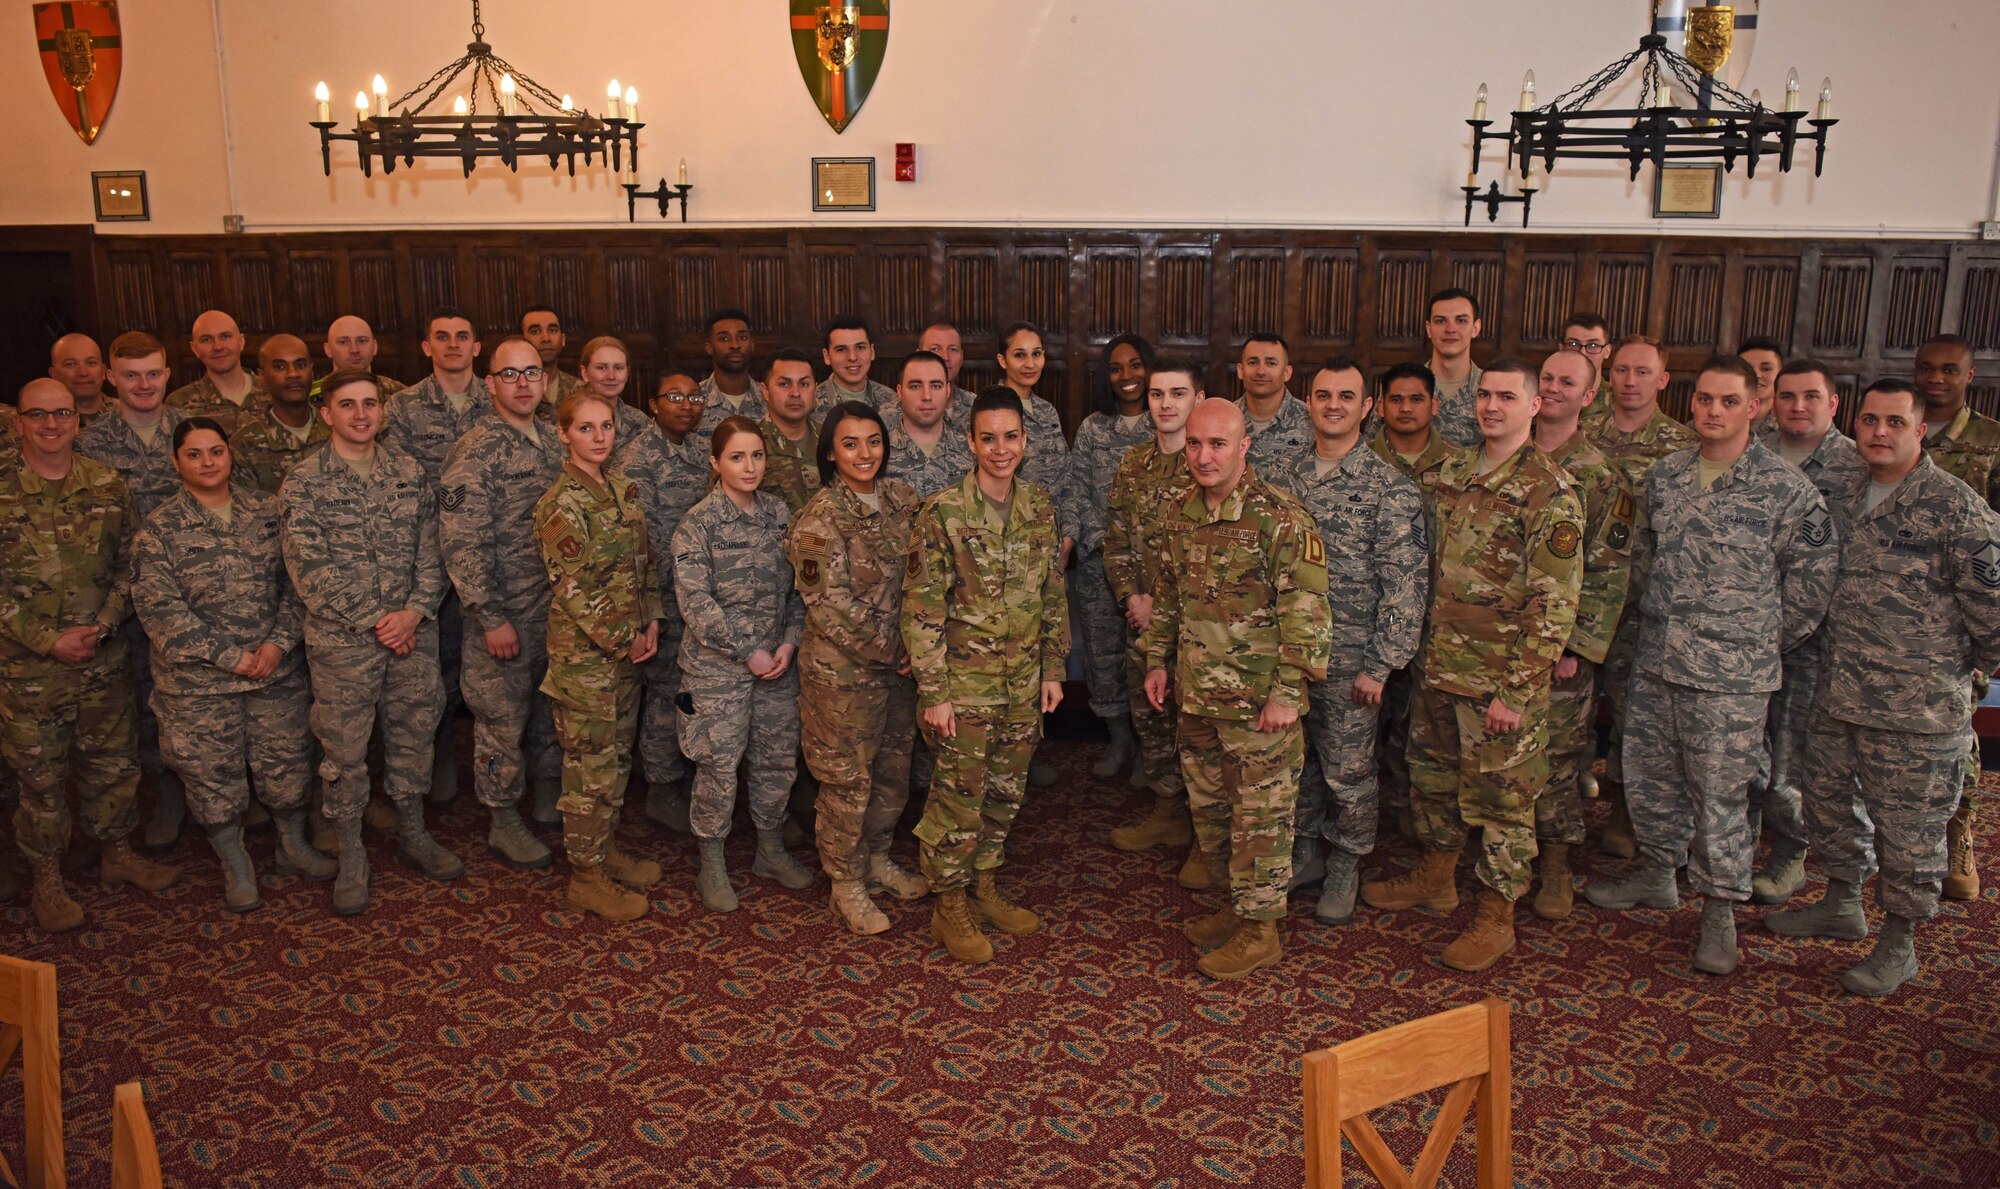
{"x": 1490, "y": 935}
{"x": 1961, "y": 877}
{"x": 591, "y": 890}
{"x": 1251, "y": 948}
{"x": 633, "y": 873}
{"x": 851, "y": 904}
{"x": 903, "y": 884}
{"x": 55, "y": 912}
{"x": 953, "y": 928}
{"x": 991, "y": 905}
{"x": 1166, "y": 824}
{"x": 120, "y": 865}
{"x": 1194, "y": 874}
{"x": 1617, "y": 840}
{"x": 1214, "y": 930}
{"x": 1432, "y": 884}
{"x": 1557, "y": 895}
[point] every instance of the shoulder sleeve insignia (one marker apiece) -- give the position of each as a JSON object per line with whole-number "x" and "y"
{"x": 809, "y": 542}
{"x": 569, "y": 547}
{"x": 1564, "y": 540}
{"x": 1315, "y": 549}
{"x": 809, "y": 573}
{"x": 1619, "y": 535}
{"x": 1623, "y": 509}
{"x": 1816, "y": 529}
{"x": 1986, "y": 566}
{"x": 915, "y": 568}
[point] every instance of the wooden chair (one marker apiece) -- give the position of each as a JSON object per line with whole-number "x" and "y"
{"x": 135, "y": 1158}
{"x": 1465, "y": 1048}
{"x": 28, "y": 1026}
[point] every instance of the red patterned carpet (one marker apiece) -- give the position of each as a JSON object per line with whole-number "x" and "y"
{"x": 474, "y": 1034}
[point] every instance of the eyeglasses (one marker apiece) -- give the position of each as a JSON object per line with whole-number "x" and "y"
{"x": 514, "y": 375}
{"x": 1586, "y": 348}
{"x": 680, "y": 398}
{"x": 40, "y": 415}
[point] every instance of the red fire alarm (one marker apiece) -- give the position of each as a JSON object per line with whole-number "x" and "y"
{"x": 906, "y": 162}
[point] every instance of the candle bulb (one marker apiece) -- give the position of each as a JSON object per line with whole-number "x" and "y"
{"x": 613, "y": 94}
{"x": 1472, "y": 179}
{"x": 1792, "y": 91}
{"x": 684, "y": 171}
{"x": 506, "y": 94}
{"x": 1479, "y": 103}
{"x": 1825, "y": 111}
{"x": 322, "y": 102}
{"x": 1530, "y": 183}
{"x": 1527, "y": 102}
{"x": 1756, "y": 98}
{"x": 1663, "y": 94}
{"x": 458, "y": 105}
{"x": 360, "y": 106}
{"x": 632, "y": 104}
{"x": 568, "y": 107}
{"x": 381, "y": 89}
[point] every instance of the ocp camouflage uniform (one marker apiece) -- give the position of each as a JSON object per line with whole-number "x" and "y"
{"x": 718, "y": 407}
{"x": 10, "y": 428}
{"x": 791, "y": 471}
{"x": 64, "y": 550}
{"x": 605, "y": 589}
{"x": 1378, "y": 585}
{"x": 358, "y": 548}
{"x": 986, "y": 622}
{"x": 1458, "y": 412}
{"x": 873, "y": 393}
{"x": 1144, "y": 512}
{"x": 1609, "y": 514}
{"x": 1273, "y": 447}
{"x": 385, "y": 387}
{"x": 1915, "y": 612}
{"x": 1968, "y": 448}
{"x": 209, "y": 590}
{"x": 858, "y": 710}
{"x": 492, "y": 480}
{"x": 1241, "y": 620}
{"x": 263, "y": 450}
{"x": 1101, "y": 443}
{"x": 926, "y": 471}
{"x": 667, "y": 480}
{"x": 203, "y": 399}
{"x": 1741, "y": 573}
{"x": 736, "y": 596}
{"x": 1505, "y": 577}
{"x": 558, "y": 385}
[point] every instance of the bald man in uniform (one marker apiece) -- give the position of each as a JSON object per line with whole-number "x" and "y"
{"x": 76, "y": 360}
{"x": 350, "y": 346}
{"x": 225, "y": 391}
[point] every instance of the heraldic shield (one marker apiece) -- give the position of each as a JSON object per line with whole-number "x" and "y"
{"x": 81, "y": 54}
{"x": 840, "y": 48}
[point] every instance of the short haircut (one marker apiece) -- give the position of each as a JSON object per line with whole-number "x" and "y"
{"x": 1729, "y": 365}
{"x": 903, "y": 371}
{"x": 1452, "y": 294}
{"x": 1891, "y": 384}
{"x": 667, "y": 372}
{"x": 787, "y": 355}
{"x": 1638, "y": 340}
{"x": 1265, "y": 336}
{"x": 575, "y": 399}
{"x": 1194, "y": 369}
{"x": 514, "y": 338}
{"x": 1419, "y": 372}
{"x": 192, "y": 424}
{"x": 1514, "y": 365}
{"x": 1007, "y": 333}
{"x": 1807, "y": 367}
{"x": 445, "y": 313}
{"x": 1341, "y": 363}
{"x": 1588, "y": 362}
{"x": 1106, "y": 401}
{"x": 1588, "y": 320}
{"x": 848, "y": 410}
{"x": 534, "y": 309}
{"x": 940, "y": 324}
{"x": 1762, "y": 343}
{"x": 344, "y": 377}
{"x": 725, "y": 314}
{"x": 599, "y": 343}
{"x": 995, "y": 399}
{"x": 136, "y": 344}
{"x": 1948, "y": 340}
{"x": 845, "y": 322}
{"x": 728, "y": 428}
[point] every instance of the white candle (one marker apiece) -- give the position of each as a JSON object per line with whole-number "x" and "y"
{"x": 1663, "y": 95}
{"x": 360, "y": 106}
{"x": 381, "y": 89}
{"x": 506, "y": 94}
{"x": 1527, "y": 102}
{"x": 612, "y": 95}
{"x": 684, "y": 171}
{"x": 1479, "y": 103}
{"x": 1792, "y": 91}
{"x": 632, "y": 104}
{"x": 1825, "y": 111}
{"x": 322, "y": 103}
{"x": 458, "y": 105}
{"x": 568, "y": 107}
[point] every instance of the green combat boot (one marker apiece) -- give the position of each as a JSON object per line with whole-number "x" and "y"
{"x": 1836, "y": 915}
{"x": 416, "y": 849}
{"x": 1892, "y": 963}
{"x": 773, "y": 861}
{"x": 1648, "y": 887}
{"x": 1308, "y": 863}
{"x": 350, "y": 883}
{"x": 1337, "y": 890}
{"x": 239, "y": 878}
{"x": 296, "y": 856}
{"x": 508, "y": 838}
{"x": 1783, "y": 874}
{"x": 1715, "y": 953}
{"x": 712, "y": 882}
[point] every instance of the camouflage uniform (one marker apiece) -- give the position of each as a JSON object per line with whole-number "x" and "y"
{"x": 791, "y": 472}
{"x": 667, "y": 480}
{"x": 605, "y": 589}
{"x": 958, "y": 414}
{"x": 492, "y": 480}
{"x": 1289, "y": 434}
{"x": 930, "y": 472}
{"x": 1741, "y": 573}
{"x": 736, "y": 596}
{"x": 264, "y": 450}
{"x": 209, "y": 591}
{"x": 357, "y": 549}
{"x": 717, "y": 408}
{"x": 1378, "y": 554}
{"x": 1101, "y": 443}
{"x": 1045, "y": 463}
{"x": 1608, "y": 523}
{"x": 64, "y": 548}
{"x": 858, "y": 711}
{"x": 1458, "y": 414}
{"x": 633, "y": 430}
{"x": 1916, "y": 611}
{"x": 1146, "y": 499}
{"x": 385, "y": 386}
{"x": 1968, "y": 447}
{"x": 873, "y": 393}
{"x": 10, "y": 429}
{"x": 559, "y": 384}
{"x": 986, "y": 622}
{"x": 1505, "y": 576}
{"x": 1241, "y": 620}
{"x": 202, "y": 399}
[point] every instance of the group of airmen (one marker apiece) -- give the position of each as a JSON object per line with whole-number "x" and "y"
{"x": 1399, "y": 597}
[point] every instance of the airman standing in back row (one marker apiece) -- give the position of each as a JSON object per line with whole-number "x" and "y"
{"x": 226, "y": 391}
{"x": 927, "y": 448}
{"x": 1452, "y": 323}
{"x": 350, "y": 346}
{"x": 542, "y": 326}
{"x": 791, "y": 428}
{"x": 1280, "y": 430}
{"x": 268, "y": 443}
{"x": 849, "y": 353}
{"x": 76, "y": 360}
{"x": 730, "y": 390}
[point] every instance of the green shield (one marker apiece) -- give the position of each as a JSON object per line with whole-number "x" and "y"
{"x": 840, "y": 48}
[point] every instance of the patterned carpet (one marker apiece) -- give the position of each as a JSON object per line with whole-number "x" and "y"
{"x": 475, "y": 1034}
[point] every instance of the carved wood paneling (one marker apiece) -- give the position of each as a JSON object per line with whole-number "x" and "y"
{"x": 1841, "y": 314}
{"x": 131, "y": 302}
{"x": 1979, "y": 312}
{"x": 628, "y": 283}
{"x": 496, "y": 302}
{"x": 1480, "y": 275}
{"x": 314, "y": 299}
{"x": 1770, "y": 299}
{"x": 563, "y": 281}
{"x": 1257, "y": 288}
{"x": 1403, "y": 292}
{"x": 1623, "y": 287}
{"x": 1916, "y": 304}
{"x": 1694, "y": 303}
{"x": 762, "y": 289}
{"x": 253, "y": 299}
{"x": 1184, "y": 297}
{"x": 1045, "y": 291}
{"x": 194, "y": 289}
{"x": 832, "y": 279}
{"x": 693, "y": 290}
{"x": 1328, "y": 296}
{"x": 900, "y": 305}
{"x": 1548, "y": 298}
{"x": 1112, "y": 275}
{"x": 371, "y": 280}
{"x": 970, "y": 278}
{"x": 434, "y": 277}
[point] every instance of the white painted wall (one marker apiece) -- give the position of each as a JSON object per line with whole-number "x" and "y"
{"x": 1118, "y": 113}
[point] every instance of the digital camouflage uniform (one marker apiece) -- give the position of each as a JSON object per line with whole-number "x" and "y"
{"x": 1741, "y": 573}
{"x": 64, "y": 550}
{"x": 202, "y": 399}
{"x": 1458, "y": 412}
{"x": 1289, "y": 434}
{"x": 1968, "y": 447}
{"x": 1505, "y": 576}
{"x": 734, "y": 585}
{"x": 1378, "y": 554}
{"x": 1241, "y": 620}
{"x": 633, "y": 430}
{"x": 986, "y": 622}
{"x": 667, "y": 480}
{"x": 264, "y": 450}
{"x": 858, "y": 712}
{"x": 1609, "y": 513}
{"x": 1915, "y": 612}
{"x": 791, "y": 472}
{"x": 1101, "y": 443}
{"x": 605, "y": 588}
{"x": 927, "y": 472}
{"x": 357, "y": 549}
{"x": 492, "y": 480}
{"x": 717, "y": 409}
{"x": 1145, "y": 510}
{"x": 559, "y": 384}
{"x": 1045, "y": 462}
{"x": 874, "y": 393}
{"x": 209, "y": 590}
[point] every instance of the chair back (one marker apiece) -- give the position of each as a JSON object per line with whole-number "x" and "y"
{"x": 135, "y": 1158}
{"x": 28, "y": 1027}
{"x": 1465, "y": 1048}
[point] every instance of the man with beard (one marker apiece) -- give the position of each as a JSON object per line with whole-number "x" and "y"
{"x": 729, "y": 390}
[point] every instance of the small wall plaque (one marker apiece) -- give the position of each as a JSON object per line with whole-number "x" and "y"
{"x": 843, "y": 183}
{"x": 1687, "y": 192}
{"x": 120, "y": 195}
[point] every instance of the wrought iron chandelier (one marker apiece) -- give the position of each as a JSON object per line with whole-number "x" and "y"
{"x": 527, "y": 121}
{"x": 1724, "y": 127}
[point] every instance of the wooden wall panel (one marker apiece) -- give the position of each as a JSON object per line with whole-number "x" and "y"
{"x": 1403, "y": 285}
{"x": 1481, "y": 275}
{"x": 1184, "y": 297}
{"x": 762, "y": 291}
{"x": 1770, "y": 299}
{"x": 901, "y": 306}
{"x": 1112, "y": 275}
{"x": 1916, "y": 304}
{"x": 1045, "y": 291}
{"x": 130, "y": 300}
{"x": 1327, "y": 306}
{"x": 1694, "y": 302}
{"x": 315, "y": 298}
{"x": 971, "y": 279}
{"x": 1257, "y": 286}
{"x": 562, "y": 281}
{"x": 1623, "y": 288}
{"x": 1548, "y": 298}
{"x": 1840, "y": 319}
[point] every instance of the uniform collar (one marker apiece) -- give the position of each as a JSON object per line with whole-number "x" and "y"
{"x": 1918, "y": 474}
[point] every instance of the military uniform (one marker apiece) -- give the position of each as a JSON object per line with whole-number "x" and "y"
{"x": 1505, "y": 577}
{"x": 1241, "y": 620}
{"x": 1273, "y": 446}
{"x": 385, "y": 386}
{"x": 926, "y": 471}
{"x": 791, "y": 471}
{"x": 208, "y": 590}
{"x": 1045, "y": 462}
{"x": 718, "y": 407}
{"x": 830, "y": 393}
{"x": 667, "y": 480}
{"x": 1741, "y": 573}
{"x": 202, "y": 399}
{"x": 63, "y": 563}
{"x": 631, "y": 430}
{"x": 598, "y": 556}
{"x": 1458, "y": 412}
{"x": 357, "y": 548}
{"x": 1101, "y": 443}
{"x": 734, "y": 585}
{"x": 986, "y": 622}
{"x": 858, "y": 710}
{"x": 1915, "y": 612}
{"x": 492, "y": 480}
{"x": 1144, "y": 511}
{"x": 264, "y": 449}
